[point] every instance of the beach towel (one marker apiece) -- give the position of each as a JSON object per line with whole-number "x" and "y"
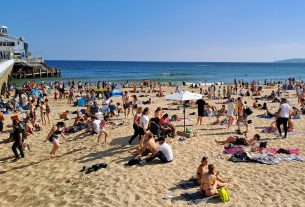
{"x": 182, "y": 120}
{"x": 195, "y": 197}
{"x": 187, "y": 184}
{"x": 291, "y": 158}
{"x": 233, "y": 150}
{"x": 267, "y": 130}
{"x": 264, "y": 159}
{"x": 275, "y": 150}
{"x": 264, "y": 116}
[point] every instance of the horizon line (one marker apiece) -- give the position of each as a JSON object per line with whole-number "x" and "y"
{"x": 165, "y": 61}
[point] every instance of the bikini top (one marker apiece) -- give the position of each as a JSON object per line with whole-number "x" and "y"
{"x": 57, "y": 132}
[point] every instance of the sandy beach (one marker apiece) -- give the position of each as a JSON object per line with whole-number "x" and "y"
{"x": 38, "y": 180}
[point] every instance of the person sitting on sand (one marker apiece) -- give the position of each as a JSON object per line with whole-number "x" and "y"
{"x": 166, "y": 123}
{"x": 203, "y": 168}
{"x": 164, "y": 153}
{"x": 240, "y": 141}
{"x": 220, "y": 112}
{"x": 270, "y": 129}
{"x": 38, "y": 127}
{"x": 255, "y": 104}
{"x": 147, "y": 102}
{"x": 295, "y": 113}
{"x": 209, "y": 182}
{"x": 290, "y": 126}
{"x": 53, "y": 137}
{"x": 149, "y": 146}
{"x": 78, "y": 119}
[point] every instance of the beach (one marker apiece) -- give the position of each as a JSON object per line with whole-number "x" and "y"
{"x": 38, "y": 180}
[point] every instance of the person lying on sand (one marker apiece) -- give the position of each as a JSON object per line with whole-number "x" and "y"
{"x": 209, "y": 182}
{"x": 240, "y": 141}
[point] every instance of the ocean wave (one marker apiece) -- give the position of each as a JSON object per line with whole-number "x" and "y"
{"x": 174, "y": 74}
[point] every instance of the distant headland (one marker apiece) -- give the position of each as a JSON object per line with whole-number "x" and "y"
{"x": 294, "y": 60}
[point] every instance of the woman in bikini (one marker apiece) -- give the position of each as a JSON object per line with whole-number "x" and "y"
{"x": 53, "y": 137}
{"x": 48, "y": 110}
{"x": 240, "y": 141}
{"x": 136, "y": 122}
{"x": 135, "y": 103}
{"x": 209, "y": 182}
{"x": 43, "y": 113}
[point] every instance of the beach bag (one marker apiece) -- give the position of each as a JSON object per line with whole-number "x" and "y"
{"x": 263, "y": 145}
{"x": 223, "y": 194}
{"x": 134, "y": 161}
{"x": 248, "y": 111}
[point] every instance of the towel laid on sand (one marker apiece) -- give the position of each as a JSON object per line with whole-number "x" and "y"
{"x": 280, "y": 150}
{"x": 196, "y": 197}
{"x": 233, "y": 150}
{"x": 186, "y": 184}
{"x": 263, "y": 159}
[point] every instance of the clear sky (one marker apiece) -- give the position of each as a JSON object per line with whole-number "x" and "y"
{"x": 159, "y": 30}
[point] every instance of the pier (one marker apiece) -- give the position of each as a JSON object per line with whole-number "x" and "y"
{"x": 38, "y": 69}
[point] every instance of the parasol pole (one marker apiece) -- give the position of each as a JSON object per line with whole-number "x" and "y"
{"x": 184, "y": 117}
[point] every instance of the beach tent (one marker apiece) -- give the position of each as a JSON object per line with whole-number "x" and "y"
{"x": 81, "y": 101}
{"x": 183, "y": 96}
{"x": 37, "y": 93}
{"x": 116, "y": 92}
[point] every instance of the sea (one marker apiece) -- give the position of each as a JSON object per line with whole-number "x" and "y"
{"x": 176, "y": 72}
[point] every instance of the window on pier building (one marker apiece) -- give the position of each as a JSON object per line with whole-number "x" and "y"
{"x": 7, "y": 43}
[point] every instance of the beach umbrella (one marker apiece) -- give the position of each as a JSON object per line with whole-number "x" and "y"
{"x": 116, "y": 92}
{"x": 183, "y": 96}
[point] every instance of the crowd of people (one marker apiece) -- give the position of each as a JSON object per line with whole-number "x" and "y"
{"x": 151, "y": 128}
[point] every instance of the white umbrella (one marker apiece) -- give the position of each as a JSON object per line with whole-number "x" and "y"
{"x": 183, "y": 96}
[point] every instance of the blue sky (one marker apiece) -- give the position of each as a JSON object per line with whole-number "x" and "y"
{"x": 159, "y": 30}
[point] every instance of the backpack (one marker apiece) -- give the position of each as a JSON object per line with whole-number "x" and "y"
{"x": 223, "y": 194}
{"x": 248, "y": 111}
{"x": 134, "y": 161}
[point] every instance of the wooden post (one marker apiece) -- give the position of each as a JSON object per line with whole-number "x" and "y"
{"x": 40, "y": 72}
{"x": 47, "y": 72}
{"x": 33, "y": 72}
